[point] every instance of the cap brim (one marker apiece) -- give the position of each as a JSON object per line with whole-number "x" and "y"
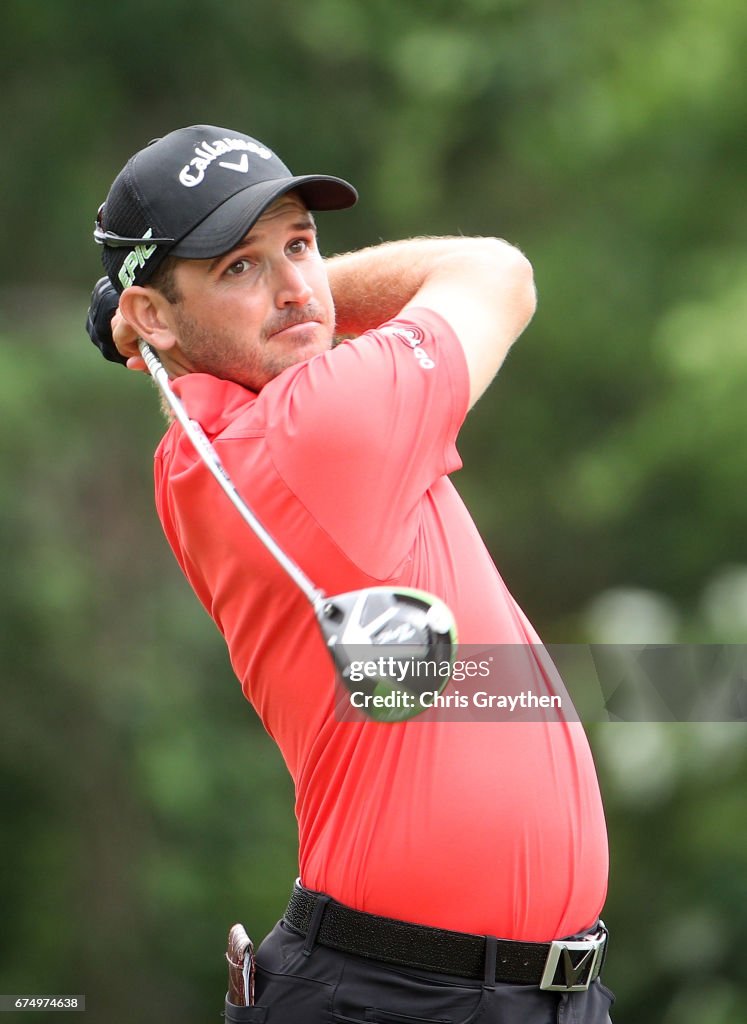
{"x": 229, "y": 222}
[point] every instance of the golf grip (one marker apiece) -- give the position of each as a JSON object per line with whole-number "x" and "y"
{"x": 239, "y": 944}
{"x": 211, "y": 459}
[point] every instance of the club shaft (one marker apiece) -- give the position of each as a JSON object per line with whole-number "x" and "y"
{"x": 211, "y": 459}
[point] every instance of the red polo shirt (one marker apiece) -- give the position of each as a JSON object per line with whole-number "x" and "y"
{"x": 488, "y": 827}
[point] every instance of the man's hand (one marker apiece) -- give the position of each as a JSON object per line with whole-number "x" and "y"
{"x": 108, "y": 329}
{"x": 104, "y": 304}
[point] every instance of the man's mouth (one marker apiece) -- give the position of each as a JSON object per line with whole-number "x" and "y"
{"x": 294, "y": 327}
{"x": 295, "y": 321}
{"x": 299, "y": 325}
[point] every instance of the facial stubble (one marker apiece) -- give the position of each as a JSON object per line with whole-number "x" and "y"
{"x": 224, "y": 354}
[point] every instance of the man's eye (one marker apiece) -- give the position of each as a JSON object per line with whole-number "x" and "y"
{"x": 239, "y": 267}
{"x": 298, "y": 246}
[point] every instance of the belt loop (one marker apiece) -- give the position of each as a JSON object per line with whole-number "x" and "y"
{"x": 316, "y": 919}
{"x": 491, "y": 955}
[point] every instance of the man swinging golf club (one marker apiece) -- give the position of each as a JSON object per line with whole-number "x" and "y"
{"x": 449, "y": 870}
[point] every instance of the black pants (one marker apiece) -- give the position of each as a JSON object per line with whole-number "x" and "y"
{"x": 327, "y": 987}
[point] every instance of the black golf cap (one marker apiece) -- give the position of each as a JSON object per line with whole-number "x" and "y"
{"x": 195, "y": 193}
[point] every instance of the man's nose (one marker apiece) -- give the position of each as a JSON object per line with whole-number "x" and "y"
{"x": 292, "y": 287}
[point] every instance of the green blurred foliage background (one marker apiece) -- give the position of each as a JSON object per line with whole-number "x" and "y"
{"x": 143, "y": 807}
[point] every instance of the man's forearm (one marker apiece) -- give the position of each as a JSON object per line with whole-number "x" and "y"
{"x": 371, "y": 285}
{"x": 482, "y": 287}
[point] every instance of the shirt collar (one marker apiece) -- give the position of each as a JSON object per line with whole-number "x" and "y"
{"x": 213, "y": 402}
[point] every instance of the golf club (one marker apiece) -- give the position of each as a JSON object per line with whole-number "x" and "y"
{"x": 357, "y": 626}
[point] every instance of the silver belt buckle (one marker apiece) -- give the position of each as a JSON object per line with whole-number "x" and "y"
{"x": 571, "y": 965}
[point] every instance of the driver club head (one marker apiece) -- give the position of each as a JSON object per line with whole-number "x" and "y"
{"x": 390, "y": 642}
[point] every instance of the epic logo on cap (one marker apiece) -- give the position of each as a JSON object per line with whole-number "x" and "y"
{"x": 135, "y": 260}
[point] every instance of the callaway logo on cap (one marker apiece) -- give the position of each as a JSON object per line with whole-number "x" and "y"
{"x": 155, "y": 207}
{"x": 194, "y": 172}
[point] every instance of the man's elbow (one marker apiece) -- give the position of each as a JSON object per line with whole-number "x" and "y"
{"x": 514, "y": 280}
{"x": 526, "y": 291}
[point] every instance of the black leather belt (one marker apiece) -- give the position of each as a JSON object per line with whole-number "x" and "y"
{"x": 565, "y": 965}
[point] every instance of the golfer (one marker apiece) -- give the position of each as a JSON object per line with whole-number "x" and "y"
{"x": 450, "y": 871}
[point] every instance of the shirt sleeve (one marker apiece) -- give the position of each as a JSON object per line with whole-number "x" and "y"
{"x": 361, "y": 433}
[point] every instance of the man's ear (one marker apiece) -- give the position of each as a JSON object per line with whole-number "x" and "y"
{"x": 146, "y": 310}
